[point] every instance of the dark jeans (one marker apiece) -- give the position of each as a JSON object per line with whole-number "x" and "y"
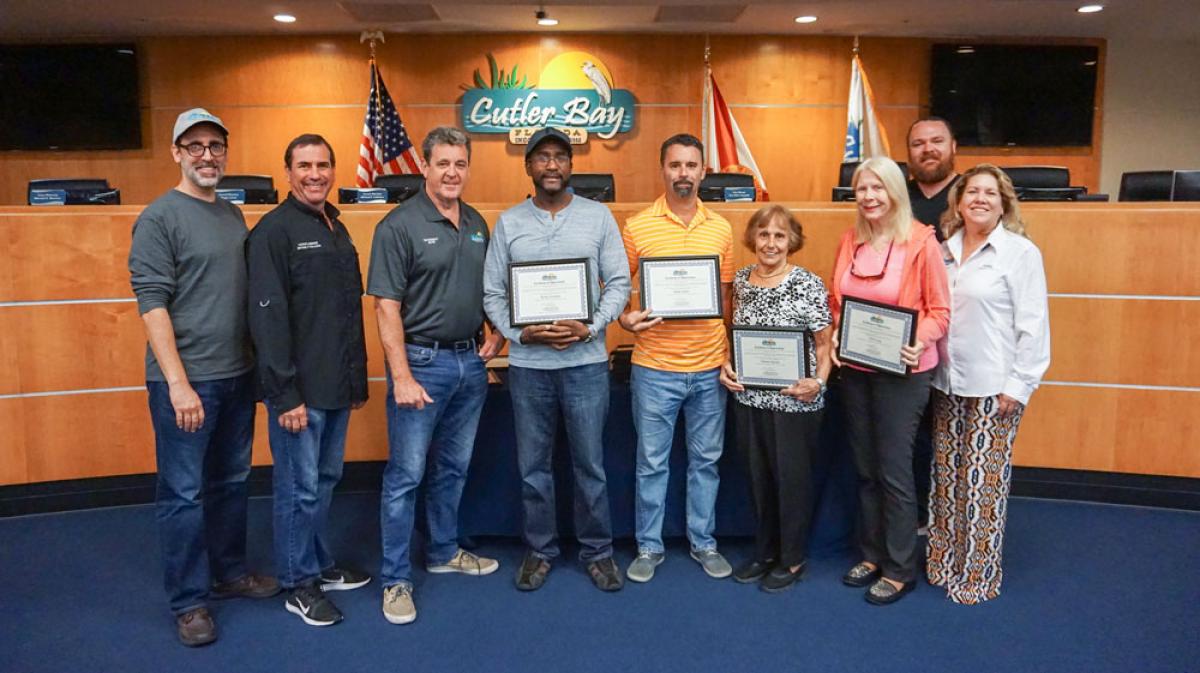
{"x": 308, "y": 464}
{"x": 442, "y": 433}
{"x": 580, "y": 394}
{"x": 780, "y": 448}
{"x": 200, "y": 505}
{"x": 882, "y": 415}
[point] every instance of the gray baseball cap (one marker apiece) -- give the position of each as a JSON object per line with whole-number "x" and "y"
{"x": 196, "y": 115}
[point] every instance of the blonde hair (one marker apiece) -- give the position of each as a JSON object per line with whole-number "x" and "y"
{"x": 952, "y": 221}
{"x": 898, "y": 221}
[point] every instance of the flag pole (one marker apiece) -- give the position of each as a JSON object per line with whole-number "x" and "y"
{"x": 855, "y": 50}
{"x": 371, "y": 37}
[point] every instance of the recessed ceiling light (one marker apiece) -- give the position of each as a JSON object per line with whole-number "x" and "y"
{"x": 285, "y": 18}
{"x": 1090, "y": 9}
{"x": 806, "y": 19}
{"x": 544, "y": 19}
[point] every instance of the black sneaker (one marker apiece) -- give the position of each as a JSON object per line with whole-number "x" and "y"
{"x": 341, "y": 579}
{"x": 310, "y": 603}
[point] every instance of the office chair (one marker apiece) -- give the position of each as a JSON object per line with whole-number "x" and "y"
{"x": 258, "y": 188}
{"x": 1146, "y": 186}
{"x": 595, "y": 186}
{"x": 79, "y": 191}
{"x": 1185, "y": 186}
{"x": 712, "y": 187}
{"x": 843, "y": 191}
{"x": 401, "y": 187}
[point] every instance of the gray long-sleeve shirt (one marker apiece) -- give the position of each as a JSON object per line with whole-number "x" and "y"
{"x": 525, "y": 233}
{"x": 188, "y": 257}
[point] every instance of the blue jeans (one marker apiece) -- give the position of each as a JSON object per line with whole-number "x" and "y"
{"x": 581, "y": 394}
{"x": 658, "y": 397}
{"x": 200, "y": 505}
{"x": 442, "y": 433}
{"x": 308, "y": 464}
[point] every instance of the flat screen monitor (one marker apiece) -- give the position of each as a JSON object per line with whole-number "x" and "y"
{"x": 69, "y": 97}
{"x": 1000, "y": 95}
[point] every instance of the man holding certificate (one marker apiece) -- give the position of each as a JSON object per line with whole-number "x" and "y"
{"x": 683, "y": 255}
{"x": 890, "y": 304}
{"x": 554, "y": 277}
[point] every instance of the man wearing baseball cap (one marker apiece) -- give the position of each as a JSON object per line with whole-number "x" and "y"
{"x": 559, "y": 368}
{"x": 187, "y": 267}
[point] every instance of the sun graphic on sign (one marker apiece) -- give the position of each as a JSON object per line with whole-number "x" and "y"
{"x": 577, "y": 70}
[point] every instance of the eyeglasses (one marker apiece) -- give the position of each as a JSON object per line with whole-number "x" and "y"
{"x": 854, "y": 270}
{"x": 197, "y": 149}
{"x": 544, "y": 158}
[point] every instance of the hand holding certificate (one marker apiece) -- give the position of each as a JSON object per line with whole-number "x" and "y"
{"x": 769, "y": 357}
{"x": 543, "y": 292}
{"x": 681, "y": 287}
{"x": 872, "y": 334}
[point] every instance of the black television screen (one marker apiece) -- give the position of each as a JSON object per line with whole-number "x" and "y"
{"x": 1005, "y": 95}
{"x": 69, "y": 97}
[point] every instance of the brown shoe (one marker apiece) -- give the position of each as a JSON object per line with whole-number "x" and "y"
{"x": 196, "y": 628}
{"x": 250, "y": 586}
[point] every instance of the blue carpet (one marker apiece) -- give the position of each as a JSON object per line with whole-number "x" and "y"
{"x": 1088, "y": 588}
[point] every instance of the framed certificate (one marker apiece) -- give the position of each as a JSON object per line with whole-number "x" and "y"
{"x": 872, "y": 333}
{"x": 675, "y": 288}
{"x": 769, "y": 357}
{"x": 545, "y": 291}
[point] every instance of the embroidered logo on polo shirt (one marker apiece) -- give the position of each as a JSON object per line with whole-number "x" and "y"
{"x": 430, "y": 241}
{"x": 477, "y": 237}
{"x": 308, "y": 245}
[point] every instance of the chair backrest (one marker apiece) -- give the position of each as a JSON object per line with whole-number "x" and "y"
{"x": 712, "y": 187}
{"x": 1038, "y": 177}
{"x": 257, "y": 188}
{"x": 401, "y": 187}
{"x": 595, "y": 186}
{"x": 79, "y": 191}
{"x": 1185, "y": 186}
{"x": 1146, "y": 186}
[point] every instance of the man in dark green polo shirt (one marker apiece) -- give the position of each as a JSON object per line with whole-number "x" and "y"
{"x": 426, "y": 276}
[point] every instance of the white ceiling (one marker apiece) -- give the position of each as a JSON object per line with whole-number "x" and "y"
{"x": 38, "y": 20}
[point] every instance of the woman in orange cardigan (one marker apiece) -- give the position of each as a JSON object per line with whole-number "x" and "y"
{"x": 890, "y": 258}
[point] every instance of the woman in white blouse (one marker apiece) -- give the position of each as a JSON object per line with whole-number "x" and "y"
{"x": 992, "y": 359}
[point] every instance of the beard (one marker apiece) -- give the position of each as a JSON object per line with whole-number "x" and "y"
{"x": 192, "y": 173}
{"x": 683, "y": 188}
{"x": 940, "y": 172}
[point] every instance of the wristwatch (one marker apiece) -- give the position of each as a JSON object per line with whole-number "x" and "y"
{"x": 820, "y": 382}
{"x": 590, "y": 337}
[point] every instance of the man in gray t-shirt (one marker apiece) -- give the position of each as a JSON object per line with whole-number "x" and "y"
{"x": 187, "y": 267}
{"x": 559, "y": 365}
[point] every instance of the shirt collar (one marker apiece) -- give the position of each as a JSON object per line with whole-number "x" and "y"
{"x": 430, "y": 212}
{"x": 998, "y": 240}
{"x": 331, "y": 211}
{"x": 661, "y": 209}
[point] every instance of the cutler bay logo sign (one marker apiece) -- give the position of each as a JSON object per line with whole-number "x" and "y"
{"x": 574, "y": 93}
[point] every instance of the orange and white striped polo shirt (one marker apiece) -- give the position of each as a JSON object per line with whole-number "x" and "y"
{"x": 679, "y": 345}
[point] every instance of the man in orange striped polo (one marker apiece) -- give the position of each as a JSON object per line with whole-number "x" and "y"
{"x": 676, "y": 364}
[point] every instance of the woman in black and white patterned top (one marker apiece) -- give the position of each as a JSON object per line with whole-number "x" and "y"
{"x": 778, "y": 429}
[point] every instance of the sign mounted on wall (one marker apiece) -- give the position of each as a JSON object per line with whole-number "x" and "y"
{"x": 574, "y": 93}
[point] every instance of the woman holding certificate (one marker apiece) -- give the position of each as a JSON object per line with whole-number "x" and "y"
{"x": 995, "y": 354}
{"x": 778, "y": 423}
{"x": 890, "y": 304}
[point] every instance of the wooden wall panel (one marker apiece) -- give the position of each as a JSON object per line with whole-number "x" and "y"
{"x": 74, "y": 346}
{"x": 87, "y": 435}
{"x": 13, "y": 467}
{"x": 787, "y": 93}
{"x": 1110, "y": 430}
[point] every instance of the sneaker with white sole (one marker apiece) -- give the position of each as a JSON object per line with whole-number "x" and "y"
{"x": 713, "y": 563}
{"x": 466, "y": 563}
{"x": 642, "y": 568}
{"x": 398, "y": 606}
{"x": 343, "y": 579}
{"x": 309, "y": 603}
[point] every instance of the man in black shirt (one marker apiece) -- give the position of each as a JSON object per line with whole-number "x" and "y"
{"x": 305, "y": 315}
{"x": 931, "y": 148}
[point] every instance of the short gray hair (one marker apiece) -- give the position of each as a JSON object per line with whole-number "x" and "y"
{"x": 445, "y": 135}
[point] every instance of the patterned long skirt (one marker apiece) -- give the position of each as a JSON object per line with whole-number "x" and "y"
{"x": 968, "y": 501}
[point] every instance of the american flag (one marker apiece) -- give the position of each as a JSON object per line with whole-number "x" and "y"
{"x": 385, "y": 149}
